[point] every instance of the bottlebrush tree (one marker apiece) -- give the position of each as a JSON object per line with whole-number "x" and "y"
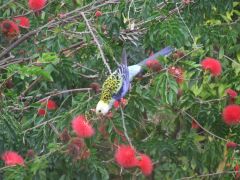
{"x": 180, "y": 118}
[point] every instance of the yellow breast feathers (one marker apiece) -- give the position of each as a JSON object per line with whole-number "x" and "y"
{"x": 111, "y": 86}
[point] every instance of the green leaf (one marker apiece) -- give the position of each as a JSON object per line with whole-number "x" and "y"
{"x": 50, "y": 57}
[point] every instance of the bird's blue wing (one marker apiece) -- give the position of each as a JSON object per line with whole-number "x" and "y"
{"x": 123, "y": 73}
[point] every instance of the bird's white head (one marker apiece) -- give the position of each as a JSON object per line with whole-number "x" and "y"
{"x": 103, "y": 108}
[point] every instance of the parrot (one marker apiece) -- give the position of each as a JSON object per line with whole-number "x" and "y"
{"x": 117, "y": 84}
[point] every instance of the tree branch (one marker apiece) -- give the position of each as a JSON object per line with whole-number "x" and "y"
{"x": 124, "y": 127}
{"x": 97, "y": 42}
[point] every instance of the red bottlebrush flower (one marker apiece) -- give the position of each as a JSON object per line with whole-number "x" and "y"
{"x": 145, "y": 164}
{"x": 124, "y": 102}
{"x": 85, "y": 154}
{"x": 81, "y": 127}
{"x": 22, "y": 22}
{"x": 42, "y": 112}
{"x": 116, "y": 104}
{"x": 75, "y": 147}
{"x": 231, "y": 114}
{"x": 9, "y": 84}
{"x": 178, "y": 54}
{"x": 179, "y": 93}
{"x": 78, "y": 142}
{"x": 195, "y": 125}
{"x": 109, "y": 115}
{"x": 102, "y": 130}
{"x": 154, "y": 65}
{"x": 120, "y": 133}
{"x": 231, "y": 93}
{"x": 36, "y": 5}
{"x": 30, "y": 153}
{"x": 116, "y": 142}
{"x": 231, "y": 145}
{"x": 177, "y": 73}
{"x": 51, "y": 105}
{"x": 9, "y": 29}
{"x": 98, "y": 13}
{"x": 62, "y": 15}
{"x": 180, "y": 79}
{"x": 213, "y": 65}
{"x": 95, "y": 87}
{"x": 236, "y": 169}
{"x": 186, "y": 2}
{"x": 125, "y": 156}
{"x": 12, "y": 158}
{"x": 64, "y": 136}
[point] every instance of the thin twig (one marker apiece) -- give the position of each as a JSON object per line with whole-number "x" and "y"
{"x": 65, "y": 91}
{"x": 211, "y": 174}
{"x": 13, "y": 61}
{"x": 56, "y": 93}
{"x": 84, "y": 67}
{"x": 19, "y": 41}
{"x": 195, "y": 49}
{"x": 73, "y": 46}
{"x": 159, "y": 7}
{"x": 54, "y": 129}
{"x": 41, "y": 124}
{"x": 94, "y": 76}
{"x": 6, "y": 4}
{"x": 231, "y": 59}
{"x": 207, "y": 131}
{"x": 42, "y": 156}
{"x": 30, "y": 87}
{"x": 53, "y": 23}
{"x": 97, "y": 42}
{"x": 178, "y": 11}
{"x": 124, "y": 127}
{"x": 227, "y": 57}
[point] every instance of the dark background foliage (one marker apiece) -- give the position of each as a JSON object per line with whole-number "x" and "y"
{"x": 62, "y": 55}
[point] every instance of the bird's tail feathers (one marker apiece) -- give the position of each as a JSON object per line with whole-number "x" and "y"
{"x": 124, "y": 57}
{"x": 163, "y": 52}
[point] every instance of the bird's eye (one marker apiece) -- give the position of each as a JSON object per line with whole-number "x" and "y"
{"x": 99, "y": 111}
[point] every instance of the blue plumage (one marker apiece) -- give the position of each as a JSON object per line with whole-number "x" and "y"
{"x": 117, "y": 84}
{"x": 127, "y": 73}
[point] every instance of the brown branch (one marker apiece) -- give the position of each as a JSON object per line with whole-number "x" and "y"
{"x": 30, "y": 87}
{"x": 124, "y": 127}
{"x": 6, "y": 4}
{"x": 89, "y": 76}
{"x": 195, "y": 49}
{"x": 4, "y": 82}
{"x": 97, "y": 42}
{"x": 41, "y": 124}
{"x": 54, "y": 129}
{"x": 55, "y": 22}
{"x": 208, "y": 175}
{"x": 227, "y": 57}
{"x": 14, "y": 61}
{"x": 17, "y": 42}
{"x": 207, "y": 131}
{"x": 72, "y": 46}
{"x": 65, "y": 91}
{"x": 56, "y": 93}
{"x": 82, "y": 66}
{"x": 9, "y": 61}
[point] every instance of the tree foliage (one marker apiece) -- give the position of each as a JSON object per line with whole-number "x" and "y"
{"x": 59, "y": 58}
